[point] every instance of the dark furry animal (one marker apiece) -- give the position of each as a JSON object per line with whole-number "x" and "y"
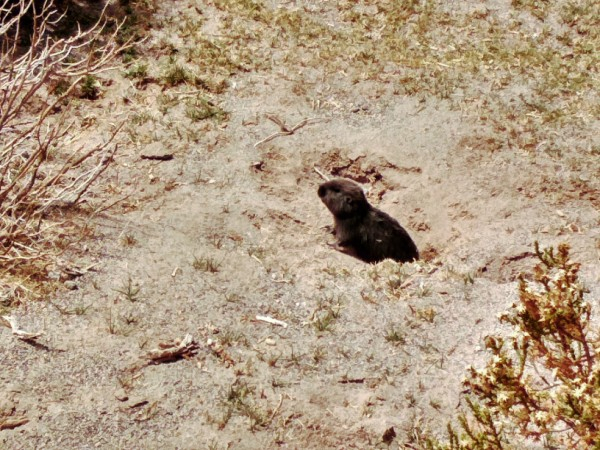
{"x": 361, "y": 230}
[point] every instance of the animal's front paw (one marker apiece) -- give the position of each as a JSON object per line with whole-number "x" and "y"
{"x": 329, "y": 229}
{"x": 343, "y": 249}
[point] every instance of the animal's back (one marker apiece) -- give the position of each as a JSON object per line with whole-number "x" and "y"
{"x": 383, "y": 237}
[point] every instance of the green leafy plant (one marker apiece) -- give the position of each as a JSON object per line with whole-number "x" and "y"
{"x": 89, "y": 88}
{"x": 542, "y": 382}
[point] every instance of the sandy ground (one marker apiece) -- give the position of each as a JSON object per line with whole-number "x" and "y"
{"x": 228, "y": 230}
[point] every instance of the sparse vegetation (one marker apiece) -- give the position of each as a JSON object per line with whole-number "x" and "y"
{"x": 326, "y": 313}
{"x": 239, "y": 399}
{"x": 474, "y": 124}
{"x": 395, "y": 336}
{"x": 541, "y": 382}
{"x": 130, "y": 290}
{"x": 77, "y": 310}
{"x": 176, "y": 74}
{"x": 129, "y": 240}
{"x": 42, "y": 171}
{"x": 89, "y": 87}
{"x": 206, "y": 264}
{"x": 232, "y": 337}
{"x": 201, "y": 109}
{"x": 138, "y": 71}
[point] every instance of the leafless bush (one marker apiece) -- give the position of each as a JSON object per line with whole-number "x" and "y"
{"x": 41, "y": 170}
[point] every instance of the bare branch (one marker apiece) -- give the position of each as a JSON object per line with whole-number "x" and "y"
{"x": 32, "y": 184}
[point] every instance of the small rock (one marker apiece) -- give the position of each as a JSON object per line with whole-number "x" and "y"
{"x": 71, "y": 285}
{"x": 54, "y": 275}
{"x": 121, "y": 395}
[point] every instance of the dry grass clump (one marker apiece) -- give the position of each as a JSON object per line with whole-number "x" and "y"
{"x": 541, "y": 383}
{"x": 480, "y": 59}
{"x": 43, "y": 174}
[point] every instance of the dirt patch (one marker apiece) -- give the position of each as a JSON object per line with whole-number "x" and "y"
{"x": 229, "y": 229}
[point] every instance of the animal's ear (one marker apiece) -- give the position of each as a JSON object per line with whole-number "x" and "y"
{"x": 349, "y": 200}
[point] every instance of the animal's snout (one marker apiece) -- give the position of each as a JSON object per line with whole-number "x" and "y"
{"x": 322, "y": 191}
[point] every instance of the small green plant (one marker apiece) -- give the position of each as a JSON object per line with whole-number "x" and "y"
{"x": 468, "y": 278}
{"x": 395, "y": 337}
{"x": 238, "y": 392}
{"x": 232, "y": 297}
{"x": 324, "y": 322}
{"x": 424, "y": 314}
{"x": 129, "y": 318}
{"x": 176, "y": 74}
{"x": 423, "y": 290}
{"x": 232, "y": 337}
{"x": 77, "y": 310}
{"x": 120, "y": 325}
{"x": 257, "y": 252}
{"x": 140, "y": 118}
{"x": 130, "y": 290}
{"x": 206, "y": 264}
{"x": 111, "y": 322}
{"x": 541, "y": 382}
{"x": 326, "y": 313}
{"x": 216, "y": 240}
{"x": 435, "y": 404}
{"x": 137, "y": 71}
{"x": 61, "y": 87}
{"x": 319, "y": 354}
{"x": 294, "y": 358}
{"x": 89, "y": 87}
{"x": 126, "y": 381}
{"x": 238, "y": 398}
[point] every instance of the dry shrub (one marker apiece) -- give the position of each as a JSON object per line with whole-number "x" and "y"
{"x": 542, "y": 383}
{"x": 42, "y": 172}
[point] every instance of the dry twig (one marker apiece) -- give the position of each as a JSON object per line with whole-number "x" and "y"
{"x": 272, "y": 321}
{"x": 325, "y": 177}
{"x": 172, "y": 351}
{"x": 13, "y": 422}
{"x": 285, "y": 130}
{"x": 11, "y": 323}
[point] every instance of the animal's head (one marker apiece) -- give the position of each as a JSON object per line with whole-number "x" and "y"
{"x": 344, "y": 198}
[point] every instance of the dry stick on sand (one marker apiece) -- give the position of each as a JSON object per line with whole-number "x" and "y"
{"x": 325, "y": 177}
{"x": 11, "y": 323}
{"x": 285, "y": 131}
{"x": 173, "y": 351}
{"x": 272, "y": 321}
{"x": 276, "y": 410}
{"x": 12, "y": 422}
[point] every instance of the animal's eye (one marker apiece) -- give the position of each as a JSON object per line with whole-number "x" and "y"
{"x": 335, "y": 189}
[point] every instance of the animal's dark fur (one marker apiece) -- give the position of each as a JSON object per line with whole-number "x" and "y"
{"x": 362, "y": 230}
